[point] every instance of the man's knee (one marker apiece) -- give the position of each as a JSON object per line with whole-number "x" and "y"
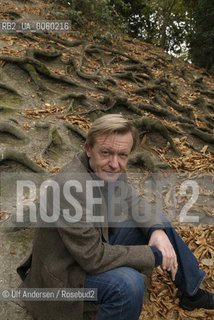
{"x": 123, "y": 285}
{"x": 131, "y": 284}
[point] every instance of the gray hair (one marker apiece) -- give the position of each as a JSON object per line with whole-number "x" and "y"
{"x": 111, "y": 124}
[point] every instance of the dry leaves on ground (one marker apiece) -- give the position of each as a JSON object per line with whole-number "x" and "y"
{"x": 189, "y": 160}
{"x": 163, "y": 302}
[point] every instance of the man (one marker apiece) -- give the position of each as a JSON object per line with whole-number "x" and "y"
{"x": 87, "y": 252}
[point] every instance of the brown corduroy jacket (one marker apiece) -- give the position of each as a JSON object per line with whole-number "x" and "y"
{"x": 63, "y": 255}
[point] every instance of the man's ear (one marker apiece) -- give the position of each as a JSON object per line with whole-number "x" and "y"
{"x": 87, "y": 149}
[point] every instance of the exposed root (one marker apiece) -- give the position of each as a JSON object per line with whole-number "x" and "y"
{"x": 132, "y": 59}
{"x": 42, "y": 125}
{"x": 143, "y": 159}
{"x": 157, "y": 111}
{"x": 20, "y": 157}
{"x": 146, "y": 124}
{"x": 14, "y": 131}
{"x": 81, "y": 74}
{"x": 115, "y": 100}
{"x": 208, "y": 93}
{"x": 9, "y": 89}
{"x": 13, "y": 14}
{"x": 38, "y": 53}
{"x": 154, "y": 88}
{"x": 75, "y": 129}
{"x": 35, "y": 76}
{"x": 66, "y": 43}
{"x": 207, "y": 137}
{"x": 32, "y": 66}
{"x": 55, "y": 141}
{"x": 145, "y": 72}
{"x": 74, "y": 96}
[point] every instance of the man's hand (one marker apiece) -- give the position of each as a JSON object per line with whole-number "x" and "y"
{"x": 160, "y": 240}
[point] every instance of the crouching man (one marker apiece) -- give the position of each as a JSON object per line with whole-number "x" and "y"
{"x": 96, "y": 253}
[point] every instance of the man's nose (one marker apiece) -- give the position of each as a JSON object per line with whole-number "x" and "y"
{"x": 114, "y": 163}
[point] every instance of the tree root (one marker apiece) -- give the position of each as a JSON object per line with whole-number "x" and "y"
{"x": 143, "y": 159}
{"x": 9, "y": 89}
{"x": 201, "y": 104}
{"x": 26, "y": 36}
{"x": 210, "y": 121}
{"x": 198, "y": 83}
{"x": 4, "y": 109}
{"x": 160, "y": 101}
{"x": 125, "y": 75}
{"x": 141, "y": 91}
{"x": 167, "y": 60}
{"x": 147, "y": 124}
{"x": 116, "y": 100}
{"x": 140, "y": 68}
{"x": 81, "y": 98}
{"x": 210, "y": 107}
{"x": 46, "y": 72}
{"x": 130, "y": 77}
{"x": 78, "y": 70}
{"x": 206, "y": 129}
{"x": 163, "y": 112}
{"x": 159, "y": 112}
{"x": 20, "y": 158}
{"x": 38, "y": 53}
{"x": 182, "y": 109}
{"x": 66, "y": 43}
{"x": 35, "y": 76}
{"x": 26, "y": 63}
{"x": 184, "y": 74}
{"x": 77, "y": 96}
{"x": 55, "y": 141}
{"x": 13, "y": 14}
{"x": 120, "y": 101}
{"x": 161, "y": 80}
{"x": 174, "y": 131}
{"x": 70, "y": 109}
{"x": 16, "y": 132}
{"x": 75, "y": 129}
{"x": 42, "y": 125}
{"x": 103, "y": 88}
{"x": 81, "y": 74}
{"x": 110, "y": 81}
{"x": 209, "y": 94}
{"x": 207, "y": 137}
{"x": 132, "y": 59}
{"x": 204, "y": 107}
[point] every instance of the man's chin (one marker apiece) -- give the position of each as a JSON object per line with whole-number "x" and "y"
{"x": 109, "y": 177}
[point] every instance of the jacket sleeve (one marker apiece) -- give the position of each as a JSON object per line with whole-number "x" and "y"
{"x": 94, "y": 255}
{"x": 87, "y": 245}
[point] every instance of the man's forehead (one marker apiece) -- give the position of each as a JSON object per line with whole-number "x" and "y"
{"x": 125, "y": 140}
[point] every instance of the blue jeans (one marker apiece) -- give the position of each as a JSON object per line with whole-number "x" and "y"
{"x": 120, "y": 291}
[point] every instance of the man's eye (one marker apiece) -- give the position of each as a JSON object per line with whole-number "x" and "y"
{"x": 105, "y": 153}
{"x": 123, "y": 155}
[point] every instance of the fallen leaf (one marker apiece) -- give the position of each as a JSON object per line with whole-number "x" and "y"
{"x": 207, "y": 262}
{"x": 204, "y": 149}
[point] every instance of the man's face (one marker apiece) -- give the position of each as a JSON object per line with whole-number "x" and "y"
{"x": 109, "y": 155}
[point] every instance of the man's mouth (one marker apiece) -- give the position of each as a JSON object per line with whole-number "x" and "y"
{"x": 110, "y": 172}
